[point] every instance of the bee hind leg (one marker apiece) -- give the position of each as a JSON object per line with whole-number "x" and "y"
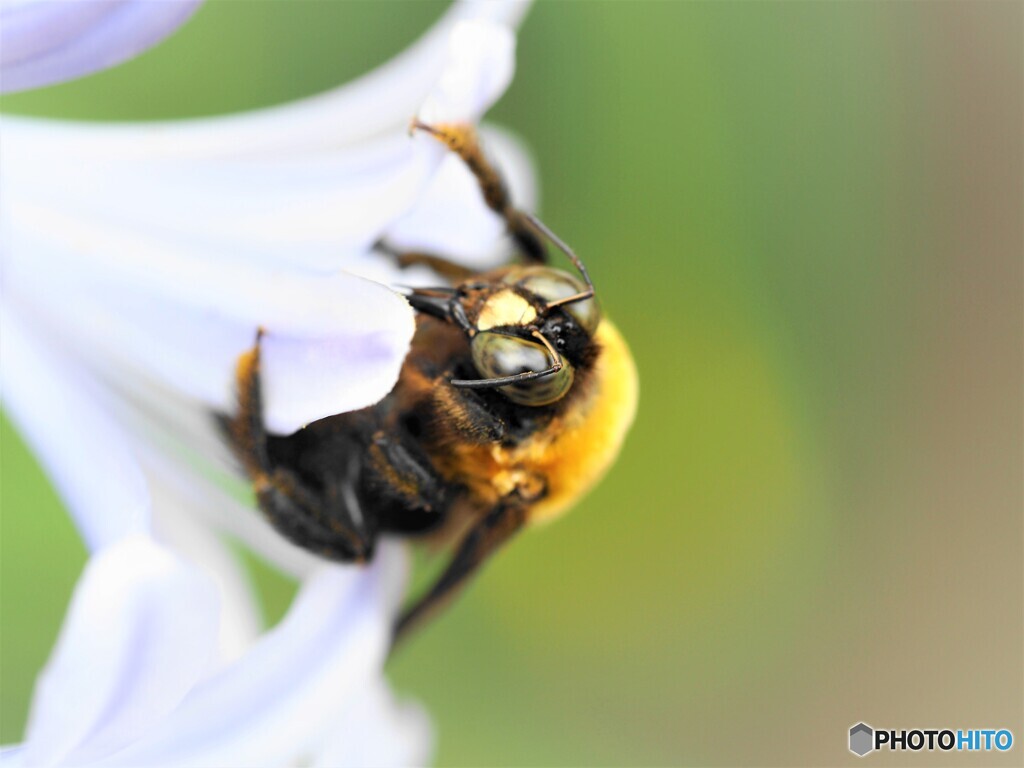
{"x": 483, "y": 538}
{"x": 462, "y": 139}
{"x": 324, "y": 523}
{"x": 407, "y": 494}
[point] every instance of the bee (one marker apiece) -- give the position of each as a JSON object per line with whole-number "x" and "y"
{"x": 512, "y": 402}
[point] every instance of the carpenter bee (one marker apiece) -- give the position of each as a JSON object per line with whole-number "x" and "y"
{"x": 513, "y": 401}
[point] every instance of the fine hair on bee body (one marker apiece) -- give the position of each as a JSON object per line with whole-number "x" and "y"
{"x": 512, "y": 402}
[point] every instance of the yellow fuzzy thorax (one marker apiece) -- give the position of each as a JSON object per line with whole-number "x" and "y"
{"x": 577, "y": 452}
{"x": 559, "y": 464}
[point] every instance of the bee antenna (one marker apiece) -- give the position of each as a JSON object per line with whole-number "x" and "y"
{"x": 541, "y": 227}
{"x": 560, "y": 244}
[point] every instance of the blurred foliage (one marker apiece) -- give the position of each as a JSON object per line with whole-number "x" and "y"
{"x": 777, "y": 203}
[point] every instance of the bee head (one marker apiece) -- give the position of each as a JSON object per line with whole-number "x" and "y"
{"x": 529, "y": 327}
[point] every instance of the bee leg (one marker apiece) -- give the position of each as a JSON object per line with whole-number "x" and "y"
{"x": 408, "y": 495}
{"x": 326, "y": 522}
{"x": 467, "y": 412}
{"x": 483, "y": 539}
{"x": 462, "y": 139}
{"x": 306, "y": 518}
{"x": 454, "y": 273}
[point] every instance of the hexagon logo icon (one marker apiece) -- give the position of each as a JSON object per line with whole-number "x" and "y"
{"x": 862, "y": 739}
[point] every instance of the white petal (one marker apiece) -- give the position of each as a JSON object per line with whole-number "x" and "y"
{"x": 306, "y": 380}
{"x": 213, "y": 503}
{"x": 85, "y": 453}
{"x": 98, "y": 256}
{"x": 271, "y": 707}
{"x": 172, "y": 438}
{"x": 44, "y": 42}
{"x": 364, "y": 735}
{"x": 378, "y": 102}
{"x": 174, "y": 267}
{"x": 184, "y": 319}
{"x": 141, "y": 629}
{"x": 12, "y": 755}
{"x": 481, "y": 58}
{"x": 177, "y": 526}
{"x": 180, "y": 446}
{"x": 451, "y": 218}
{"x": 306, "y": 211}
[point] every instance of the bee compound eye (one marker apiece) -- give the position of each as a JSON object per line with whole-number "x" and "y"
{"x": 496, "y": 355}
{"x": 554, "y": 284}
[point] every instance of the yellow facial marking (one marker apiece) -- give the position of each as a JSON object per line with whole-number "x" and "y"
{"x": 505, "y": 308}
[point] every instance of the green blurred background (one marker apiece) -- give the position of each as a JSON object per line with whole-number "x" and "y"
{"x": 806, "y": 218}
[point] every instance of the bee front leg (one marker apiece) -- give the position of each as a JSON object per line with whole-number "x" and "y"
{"x": 484, "y": 538}
{"x": 462, "y": 139}
{"x": 454, "y": 273}
{"x": 327, "y": 522}
{"x": 466, "y": 412}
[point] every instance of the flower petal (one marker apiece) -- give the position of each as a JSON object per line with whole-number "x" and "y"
{"x": 177, "y": 265}
{"x": 178, "y": 527}
{"x": 12, "y": 755}
{"x": 44, "y": 42}
{"x": 85, "y": 453}
{"x": 305, "y": 380}
{"x": 480, "y": 65}
{"x": 181, "y": 448}
{"x": 451, "y": 217}
{"x": 151, "y": 268}
{"x": 309, "y": 209}
{"x": 209, "y": 500}
{"x": 301, "y": 212}
{"x": 141, "y": 629}
{"x": 184, "y": 318}
{"x": 379, "y": 102}
{"x": 364, "y": 735}
{"x": 270, "y": 707}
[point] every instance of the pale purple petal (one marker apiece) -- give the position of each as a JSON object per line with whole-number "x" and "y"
{"x": 305, "y": 380}
{"x": 212, "y": 499}
{"x": 49, "y": 41}
{"x": 173, "y": 266}
{"x": 479, "y": 69}
{"x": 364, "y": 735}
{"x": 84, "y": 451}
{"x": 308, "y": 210}
{"x": 141, "y": 630}
{"x": 180, "y": 448}
{"x": 451, "y": 217}
{"x": 148, "y": 256}
{"x": 183, "y": 319}
{"x": 305, "y": 211}
{"x": 271, "y": 707}
{"x": 380, "y": 102}
{"x": 177, "y": 526}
